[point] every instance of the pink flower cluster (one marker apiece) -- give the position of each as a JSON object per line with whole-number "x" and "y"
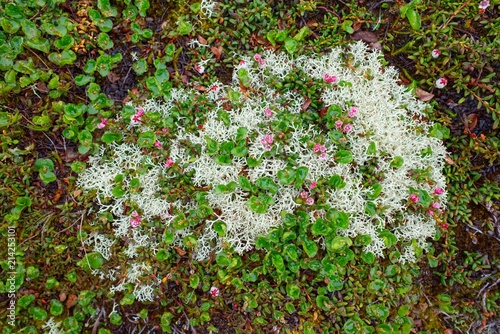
{"x": 347, "y": 127}
{"x": 137, "y": 117}
{"x": 157, "y": 144}
{"x": 267, "y": 141}
{"x": 305, "y": 195}
{"x": 484, "y": 4}
{"x": 352, "y": 112}
{"x": 136, "y": 219}
{"x": 268, "y": 112}
{"x": 169, "y": 162}
{"x": 329, "y": 78}
{"x": 322, "y": 149}
{"x": 258, "y": 58}
{"x": 103, "y": 123}
{"x": 414, "y": 198}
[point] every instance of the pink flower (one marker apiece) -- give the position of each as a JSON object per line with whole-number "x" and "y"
{"x": 484, "y": 4}
{"x": 347, "y": 128}
{"x": 444, "y": 225}
{"x": 414, "y": 198}
{"x": 268, "y": 112}
{"x": 257, "y": 57}
{"x": 157, "y": 144}
{"x": 323, "y": 156}
{"x": 338, "y": 124}
{"x": 135, "y": 118}
{"x": 140, "y": 112}
{"x": 103, "y": 123}
{"x": 317, "y": 147}
{"x": 262, "y": 62}
{"x": 435, "y": 205}
{"x": 214, "y": 88}
{"x": 169, "y": 162}
{"x": 214, "y": 291}
{"x": 304, "y": 194}
{"x": 164, "y": 130}
{"x": 136, "y": 219}
{"x": 329, "y": 78}
{"x": 435, "y": 53}
{"x": 441, "y": 82}
{"x": 242, "y": 62}
{"x": 438, "y": 191}
{"x": 313, "y": 185}
{"x": 430, "y": 212}
{"x": 352, "y": 112}
{"x": 310, "y": 201}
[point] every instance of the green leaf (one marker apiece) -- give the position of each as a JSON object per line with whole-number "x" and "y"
{"x": 95, "y": 260}
{"x": 293, "y": 290}
{"x": 25, "y": 300}
{"x": 82, "y": 79}
{"x": 320, "y": 228}
{"x": 291, "y": 45}
{"x": 378, "y": 311}
{"x": 337, "y": 182}
{"x": 143, "y": 6}
{"x": 286, "y": 176}
{"x": 140, "y": 66}
{"x": 376, "y": 189}
{"x": 221, "y": 228}
{"x": 30, "y": 30}
{"x": 266, "y": 183}
{"x": 65, "y": 42}
{"x": 104, "y": 41}
{"x": 323, "y": 302}
{"x": 337, "y": 243}
{"x": 244, "y": 77}
{"x": 115, "y": 319}
{"x": 277, "y": 261}
{"x": 300, "y": 176}
{"x": 372, "y": 149}
{"x": 343, "y": 157}
{"x": 239, "y": 151}
{"x": 38, "y": 313}
{"x": 43, "y": 165}
{"x": 368, "y": 257}
{"x": 257, "y": 204}
{"x": 162, "y": 255}
{"x": 9, "y": 26}
{"x": 245, "y": 184}
{"x": 292, "y": 252}
{"x": 146, "y": 139}
{"x": 310, "y": 247}
{"x": 397, "y": 162}
{"x": 110, "y": 137}
{"x": 194, "y": 281}
{"x": 302, "y": 34}
{"x": 66, "y": 57}
{"x": 180, "y": 222}
{"x": 190, "y": 241}
{"x": 440, "y": 132}
{"x": 184, "y": 28}
{"x": 106, "y": 8}
{"x": 56, "y": 307}
{"x": 414, "y": 18}
{"x": 223, "y": 159}
{"x": 388, "y": 238}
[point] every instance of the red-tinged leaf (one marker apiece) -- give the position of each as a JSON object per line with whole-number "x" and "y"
{"x": 112, "y": 77}
{"x": 71, "y": 301}
{"x": 365, "y": 36}
{"x": 471, "y": 123}
{"x": 306, "y": 104}
{"x": 423, "y": 95}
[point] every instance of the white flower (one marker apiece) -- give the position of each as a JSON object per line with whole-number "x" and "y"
{"x": 435, "y": 53}
{"x": 441, "y": 82}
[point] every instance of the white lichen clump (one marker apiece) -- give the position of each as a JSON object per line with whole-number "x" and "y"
{"x": 379, "y": 122}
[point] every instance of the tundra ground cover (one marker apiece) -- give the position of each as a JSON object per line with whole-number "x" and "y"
{"x": 138, "y": 90}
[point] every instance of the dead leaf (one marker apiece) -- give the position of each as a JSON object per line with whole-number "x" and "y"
{"x": 448, "y": 331}
{"x": 77, "y": 193}
{"x": 470, "y": 123}
{"x": 217, "y": 51}
{"x": 365, "y": 36}
{"x": 72, "y": 299}
{"x": 179, "y": 251}
{"x": 200, "y": 88}
{"x": 306, "y": 104}
{"x": 112, "y": 77}
{"x": 449, "y": 160}
{"x": 202, "y": 40}
{"x": 356, "y": 26}
{"x": 423, "y": 95}
{"x": 62, "y": 296}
